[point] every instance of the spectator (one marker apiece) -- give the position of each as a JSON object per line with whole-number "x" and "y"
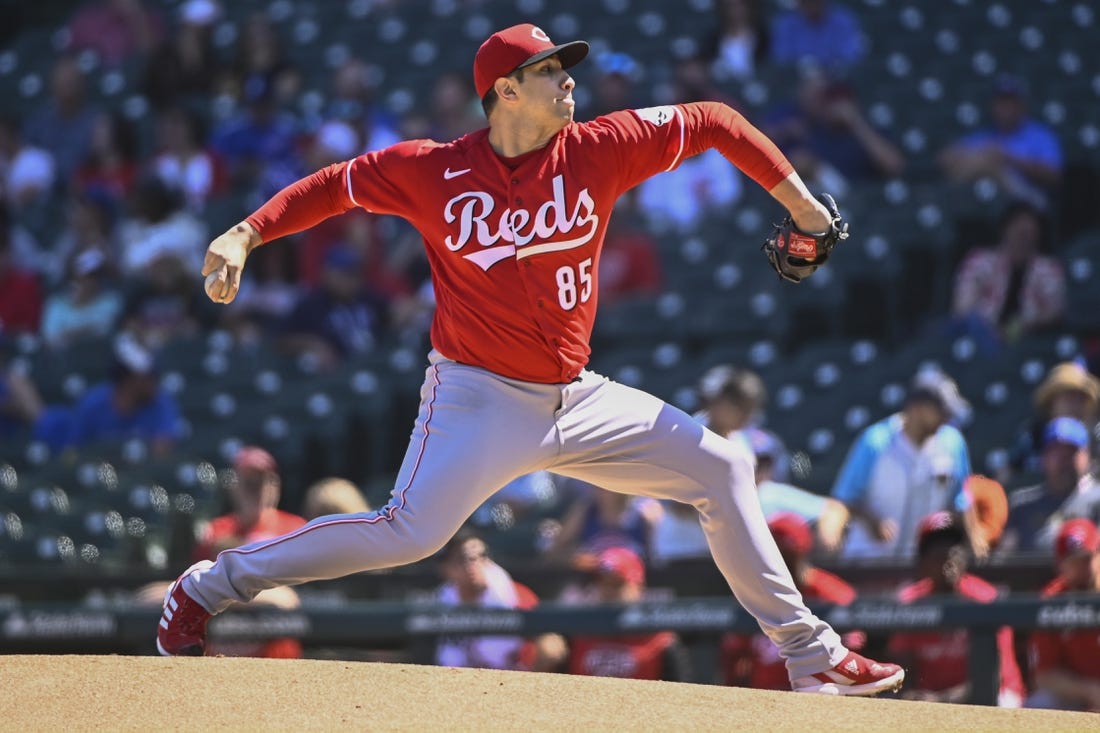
{"x": 939, "y": 661}
{"x": 630, "y": 263}
{"x": 620, "y": 579}
{"x": 261, "y": 54}
{"x": 739, "y": 44}
{"x": 333, "y": 496}
{"x": 827, "y": 516}
{"x": 1085, "y": 501}
{"x": 184, "y": 68}
{"x": 599, "y": 519}
{"x": 827, "y": 137}
{"x": 63, "y": 126}
{"x": 1010, "y": 290}
{"x": 159, "y": 228}
{"x": 1036, "y": 512}
{"x": 259, "y": 143}
{"x": 254, "y": 493}
{"x": 115, "y": 30}
{"x": 111, "y": 166}
{"x": 473, "y": 579}
{"x": 90, "y": 223}
{"x": 692, "y": 80}
{"x": 21, "y": 406}
{"x": 20, "y": 293}
{"x": 752, "y": 660}
{"x": 87, "y": 308}
{"x": 269, "y": 292}
{"x": 1068, "y": 390}
{"x": 682, "y": 198}
{"x": 339, "y": 319}
{"x": 456, "y": 109}
{"x": 820, "y": 32}
{"x": 733, "y": 401}
{"x": 27, "y": 173}
{"x": 182, "y": 161}
{"x": 131, "y": 405}
{"x": 166, "y": 304}
{"x": 904, "y": 467}
{"x": 985, "y": 514}
{"x": 1022, "y": 155}
{"x": 1065, "y": 663}
{"x": 352, "y": 101}
{"x": 677, "y": 535}
{"x": 617, "y": 75}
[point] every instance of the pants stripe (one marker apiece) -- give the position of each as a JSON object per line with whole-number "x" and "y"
{"x": 386, "y": 513}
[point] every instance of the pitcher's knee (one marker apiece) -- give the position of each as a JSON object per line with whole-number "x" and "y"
{"x": 416, "y": 541}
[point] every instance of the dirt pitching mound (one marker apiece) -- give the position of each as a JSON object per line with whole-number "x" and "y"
{"x": 76, "y": 693}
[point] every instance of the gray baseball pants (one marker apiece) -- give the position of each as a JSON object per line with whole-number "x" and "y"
{"x": 476, "y": 431}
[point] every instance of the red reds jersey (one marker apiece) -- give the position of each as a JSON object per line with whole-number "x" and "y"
{"x": 1072, "y": 650}
{"x": 757, "y": 657}
{"x": 941, "y": 659}
{"x": 514, "y": 244}
{"x": 639, "y": 657}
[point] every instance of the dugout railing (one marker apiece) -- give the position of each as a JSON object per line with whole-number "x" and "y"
{"x": 128, "y": 629}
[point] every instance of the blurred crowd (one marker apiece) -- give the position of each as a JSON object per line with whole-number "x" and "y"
{"x": 105, "y": 215}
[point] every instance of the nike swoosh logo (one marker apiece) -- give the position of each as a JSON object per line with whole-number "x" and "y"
{"x": 448, "y": 174}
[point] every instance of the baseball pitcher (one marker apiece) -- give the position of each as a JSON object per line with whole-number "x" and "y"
{"x": 513, "y": 217}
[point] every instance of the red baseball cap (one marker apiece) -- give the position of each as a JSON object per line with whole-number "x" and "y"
{"x": 516, "y": 47}
{"x": 253, "y": 458}
{"x": 791, "y": 533}
{"x": 622, "y": 562}
{"x": 1077, "y": 536}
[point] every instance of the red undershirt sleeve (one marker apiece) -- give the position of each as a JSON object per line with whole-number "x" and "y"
{"x": 303, "y": 204}
{"x": 716, "y": 125}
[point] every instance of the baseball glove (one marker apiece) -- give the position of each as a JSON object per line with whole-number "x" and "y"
{"x": 794, "y": 254}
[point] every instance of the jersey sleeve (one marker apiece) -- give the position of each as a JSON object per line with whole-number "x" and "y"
{"x": 379, "y": 181}
{"x": 645, "y": 142}
{"x": 386, "y": 181}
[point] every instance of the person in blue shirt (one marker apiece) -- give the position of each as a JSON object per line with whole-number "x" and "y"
{"x": 1022, "y": 155}
{"x": 130, "y": 405}
{"x": 903, "y": 468}
{"x": 826, "y": 515}
{"x": 1036, "y": 513}
{"x": 819, "y": 32}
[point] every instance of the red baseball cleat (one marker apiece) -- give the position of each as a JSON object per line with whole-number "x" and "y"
{"x": 856, "y": 675}
{"x": 182, "y": 627}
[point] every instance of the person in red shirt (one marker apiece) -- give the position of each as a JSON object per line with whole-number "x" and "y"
{"x": 20, "y": 292}
{"x": 754, "y": 660}
{"x": 620, "y": 578}
{"x": 255, "y": 516}
{"x": 513, "y": 219}
{"x": 939, "y": 661}
{"x": 630, "y": 264}
{"x": 1065, "y": 664}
